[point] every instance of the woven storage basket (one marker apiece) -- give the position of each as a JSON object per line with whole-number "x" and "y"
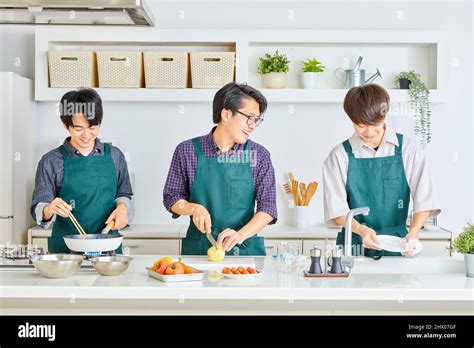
{"x": 166, "y": 69}
{"x": 212, "y": 69}
{"x": 72, "y": 69}
{"x": 120, "y": 69}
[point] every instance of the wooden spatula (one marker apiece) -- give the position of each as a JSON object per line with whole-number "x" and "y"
{"x": 310, "y": 191}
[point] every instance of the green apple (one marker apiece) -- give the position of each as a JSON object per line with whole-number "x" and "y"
{"x": 215, "y": 253}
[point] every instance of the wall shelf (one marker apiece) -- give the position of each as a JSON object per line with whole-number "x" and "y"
{"x": 389, "y": 50}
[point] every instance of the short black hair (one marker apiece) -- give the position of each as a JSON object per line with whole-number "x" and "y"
{"x": 85, "y": 101}
{"x": 230, "y": 97}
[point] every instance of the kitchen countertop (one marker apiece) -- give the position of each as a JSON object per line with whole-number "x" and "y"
{"x": 271, "y": 232}
{"x": 393, "y": 285}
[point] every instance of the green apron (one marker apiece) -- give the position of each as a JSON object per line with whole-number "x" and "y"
{"x": 90, "y": 186}
{"x": 224, "y": 186}
{"x": 378, "y": 183}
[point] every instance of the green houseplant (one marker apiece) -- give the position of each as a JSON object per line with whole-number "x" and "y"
{"x": 419, "y": 101}
{"x": 311, "y": 69}
{"x": 464, "y": 244}
{"x": 274, "y": 69}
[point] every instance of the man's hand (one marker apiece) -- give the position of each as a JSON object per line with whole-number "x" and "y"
{"x": 229, "y": 238}
{"x": 369, "y": 238}
{"x": 120, "y": 216}
{"x": 201, "y": 218}
{"x": 58, "y": 207}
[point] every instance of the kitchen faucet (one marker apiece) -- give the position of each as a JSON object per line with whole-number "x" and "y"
{"x": 347, "y": 260}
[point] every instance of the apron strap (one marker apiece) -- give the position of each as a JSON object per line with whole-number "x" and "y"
{"x": 348, "y": 148}
{"x": 63, "y": 151}
{"x": 398, "y": 149}
{"x": 106, "y": 150}
{"x": 198, "y": 146}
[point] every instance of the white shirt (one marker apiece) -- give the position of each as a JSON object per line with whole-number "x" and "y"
{"x": 419, "y": 178}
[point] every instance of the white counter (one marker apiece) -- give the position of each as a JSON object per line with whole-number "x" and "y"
{"x": 271, "y": 232}
{"x": 390, "y": 286}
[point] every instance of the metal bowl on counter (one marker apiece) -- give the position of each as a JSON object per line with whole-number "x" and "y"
{"x": 111, "y": 265}
{"x": 57, "y": 265}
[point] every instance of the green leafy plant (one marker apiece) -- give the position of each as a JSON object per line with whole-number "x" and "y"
{"x": 464, "y": 242}
{"x": 273, "y": 63}
{"x": 419, "y": 100}
{"x": 312, "y": 65}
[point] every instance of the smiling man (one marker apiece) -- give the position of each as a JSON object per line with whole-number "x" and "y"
{"x": 82, "y": 175}
{"x": 217, "y": 179}
{"x": 380, "y": 169}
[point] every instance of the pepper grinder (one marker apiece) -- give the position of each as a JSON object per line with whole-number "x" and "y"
{"x": 315, "y": 267}
{"x": 335, "y": 261}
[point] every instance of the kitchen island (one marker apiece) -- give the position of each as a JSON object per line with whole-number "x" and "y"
{"x": 393, "y": 285}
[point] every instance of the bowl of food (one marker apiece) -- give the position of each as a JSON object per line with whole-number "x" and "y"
{"x": 111, "y": 265}
{"x": 57, "y": 265}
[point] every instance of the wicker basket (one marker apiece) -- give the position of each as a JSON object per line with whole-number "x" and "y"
{"x": 120, "y": 69}
{"x": 212, "y": 69}
{"x": 72, "y": 69}
{"x": 166, "y": 69}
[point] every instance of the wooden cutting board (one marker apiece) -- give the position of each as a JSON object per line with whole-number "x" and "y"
{"x": 204, "y": 264}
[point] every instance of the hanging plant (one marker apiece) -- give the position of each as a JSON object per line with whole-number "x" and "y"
{"x": 419, "y": 101}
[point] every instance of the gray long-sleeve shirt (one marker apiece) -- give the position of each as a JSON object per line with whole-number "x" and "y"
{"x": 50, "y": 175}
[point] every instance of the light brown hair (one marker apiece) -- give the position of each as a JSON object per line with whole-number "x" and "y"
{"x": 367, "y": 104}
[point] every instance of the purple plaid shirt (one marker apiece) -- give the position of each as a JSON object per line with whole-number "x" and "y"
{"x": 183, "y": 171}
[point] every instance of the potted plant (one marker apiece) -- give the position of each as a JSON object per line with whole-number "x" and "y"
{"x": 311, "y": 69}
{"x": 419, "y": 101}
{"x": 464, "y": 244}
{"x": 274, "y": 69}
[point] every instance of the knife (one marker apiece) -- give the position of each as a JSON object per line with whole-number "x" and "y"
{"x": 211, "y": 239}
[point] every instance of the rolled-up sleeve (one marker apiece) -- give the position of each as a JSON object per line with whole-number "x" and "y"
{"x": 44, "y": 192}
{"x": 265, "y": 186}
{"x": 421, "y": 183}
{"x": 334, "y": 186}
{"x": 124, "y": 187}
{"x": 176, "y": 186}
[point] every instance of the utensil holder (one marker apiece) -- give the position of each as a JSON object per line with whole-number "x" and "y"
{"x": 302, "y": 216}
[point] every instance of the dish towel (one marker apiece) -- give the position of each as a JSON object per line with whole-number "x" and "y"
{"x": 413, "y": 247}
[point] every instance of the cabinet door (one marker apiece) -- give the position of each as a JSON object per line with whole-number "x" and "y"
{"x": 435, "y": 248}
{"x": 41, "y": 242}
{"x": 271, "y": 245}
{"x": 309, "y": 244}
{"x": 151, "y": 246}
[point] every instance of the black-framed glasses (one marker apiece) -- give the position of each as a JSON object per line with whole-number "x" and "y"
{"x": 252, "y": 119}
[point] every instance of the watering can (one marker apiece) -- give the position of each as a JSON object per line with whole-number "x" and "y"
{"x": 356, "y": 76}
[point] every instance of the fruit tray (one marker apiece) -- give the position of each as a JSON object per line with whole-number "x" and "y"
{"x": 199, "y": 275}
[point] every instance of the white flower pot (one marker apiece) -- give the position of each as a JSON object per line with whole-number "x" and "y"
{"x": 310, "y": 80}
{"x": 469, "y": 261}
{"x": 275, "y": 80}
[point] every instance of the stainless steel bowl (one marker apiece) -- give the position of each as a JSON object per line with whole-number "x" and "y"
{"x": 57, "y": 265}
{"x": 111, "y": 265}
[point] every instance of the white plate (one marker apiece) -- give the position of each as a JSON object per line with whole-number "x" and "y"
{"x": 176, "y": 277}
{"x": 392, "y": 243}
{"x": 241, "y": 276}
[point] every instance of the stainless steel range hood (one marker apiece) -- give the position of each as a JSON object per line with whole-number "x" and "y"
{"x": 76, "y": 12}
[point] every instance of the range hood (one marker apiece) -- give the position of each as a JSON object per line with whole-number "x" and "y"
{"x": 76, "y": 12}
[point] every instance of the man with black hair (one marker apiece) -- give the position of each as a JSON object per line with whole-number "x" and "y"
{"x": 82, "y": 175}
{"x": 218, "y": 178}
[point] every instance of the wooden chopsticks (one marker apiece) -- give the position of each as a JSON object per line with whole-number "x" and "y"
{"x": 78, "y": 226}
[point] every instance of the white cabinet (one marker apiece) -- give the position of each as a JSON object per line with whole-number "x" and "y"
{"x": 151, "y": 246}
{"x": 40, "y": 243}
{"x": 271, "y": 245}
{"x": 435, "y": 248}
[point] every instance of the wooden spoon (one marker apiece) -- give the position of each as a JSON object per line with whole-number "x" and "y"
{"x": 310, "y": 191}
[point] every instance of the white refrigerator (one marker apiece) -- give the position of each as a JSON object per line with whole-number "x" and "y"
{"x": 17, "y": 156}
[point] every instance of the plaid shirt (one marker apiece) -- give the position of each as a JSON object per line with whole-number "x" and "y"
{"x": 183, "y": 171}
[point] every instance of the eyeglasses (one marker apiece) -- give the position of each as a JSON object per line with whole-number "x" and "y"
{"x": 252, "y": 119}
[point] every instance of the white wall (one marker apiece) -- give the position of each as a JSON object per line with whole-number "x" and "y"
{"x": 298, "y": 141}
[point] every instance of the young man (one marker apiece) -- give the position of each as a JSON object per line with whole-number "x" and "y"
{"x": 378, "y": 168}
{"x": 83, "y": 175}
{"x": 217, "y": 178}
